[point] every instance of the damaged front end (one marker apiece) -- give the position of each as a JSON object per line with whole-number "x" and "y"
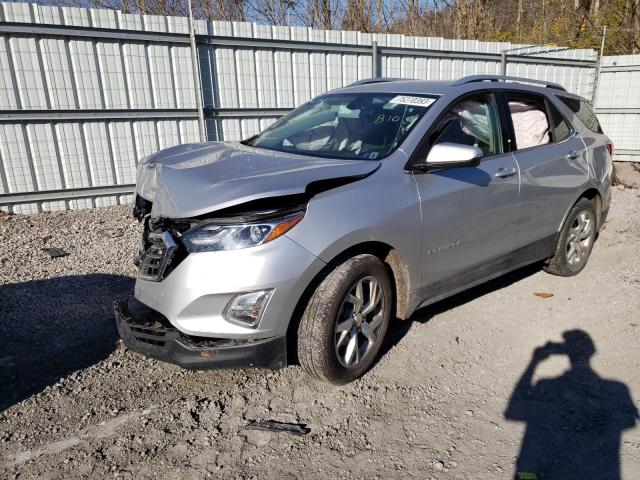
{"x": 200, "y": 301}
{"x": 166, "y": 242}
{"x": 212, "y": 197}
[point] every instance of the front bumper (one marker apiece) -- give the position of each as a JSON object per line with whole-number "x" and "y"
{"x": 194, "y": 296}
{"x": 147, "y": 331}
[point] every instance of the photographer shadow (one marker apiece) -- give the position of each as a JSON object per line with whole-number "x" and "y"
{"x": 575, "y": 421}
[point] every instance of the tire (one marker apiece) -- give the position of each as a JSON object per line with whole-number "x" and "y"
{"x": 328, "y": 354}
{"x": 575, "y": 241}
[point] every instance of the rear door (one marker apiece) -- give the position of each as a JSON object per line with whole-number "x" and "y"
{"x": 552, "y": 159}
{"x": 467, "y": 212}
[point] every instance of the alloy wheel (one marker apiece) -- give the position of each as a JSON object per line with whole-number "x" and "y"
{"x": 579, "y": 238}
{"x": 359, "y": 320}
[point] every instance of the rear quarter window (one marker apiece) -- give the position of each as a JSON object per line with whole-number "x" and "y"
{"x": 584, "y": 112}
{"x": 560, "y": 128}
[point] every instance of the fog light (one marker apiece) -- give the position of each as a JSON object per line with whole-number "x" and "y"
{"x": 246, "y": 309}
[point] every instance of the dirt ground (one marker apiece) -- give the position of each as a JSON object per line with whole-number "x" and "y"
{"x": 462, "y": 390}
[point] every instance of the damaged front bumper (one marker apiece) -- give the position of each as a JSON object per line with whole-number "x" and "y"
{"x": 188, "y": 307}
{"x": 147, "y": 331}
{"x": 197, "y": 292}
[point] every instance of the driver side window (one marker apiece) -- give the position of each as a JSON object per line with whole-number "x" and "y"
{"x": 473, "y": 121}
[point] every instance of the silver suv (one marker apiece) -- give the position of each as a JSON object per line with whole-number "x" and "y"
{"x": 302, "y": 243}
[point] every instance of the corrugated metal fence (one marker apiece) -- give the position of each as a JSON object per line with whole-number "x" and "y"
{"x": 618, "y": 104}
{"x": 86, "y": 93}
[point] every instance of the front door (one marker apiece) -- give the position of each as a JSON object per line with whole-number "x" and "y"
{"x": 468, "y": 212}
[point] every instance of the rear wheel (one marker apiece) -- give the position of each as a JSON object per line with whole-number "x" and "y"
{"x": 345, "y": 321}
{"x": 575, "y": 241}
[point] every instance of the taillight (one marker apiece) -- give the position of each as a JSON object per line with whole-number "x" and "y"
{"x": 610, "y": 147}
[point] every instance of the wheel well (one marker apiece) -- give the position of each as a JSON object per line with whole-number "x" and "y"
{"x": 398, "y": 273}
{"x": 593, "y": 195}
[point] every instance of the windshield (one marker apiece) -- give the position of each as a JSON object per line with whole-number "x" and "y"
{"x": 352, "y": 126}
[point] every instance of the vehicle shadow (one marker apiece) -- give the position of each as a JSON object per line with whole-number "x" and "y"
{"x": 51, "y": 328}
{"x": 400, "y": 328}
{"x": 574, "y": 422}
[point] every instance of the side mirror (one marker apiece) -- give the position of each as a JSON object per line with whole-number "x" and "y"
{"x": 449, "y": 155}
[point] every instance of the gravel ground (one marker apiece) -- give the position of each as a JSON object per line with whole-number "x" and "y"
{"x": 447, "y": 400}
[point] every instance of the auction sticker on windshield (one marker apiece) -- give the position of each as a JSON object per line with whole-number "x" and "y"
{"x": 415, "y": 101}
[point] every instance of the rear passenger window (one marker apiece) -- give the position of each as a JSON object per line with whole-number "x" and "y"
{"x": 530, "y": 122}
{"x": 584, "y": 112}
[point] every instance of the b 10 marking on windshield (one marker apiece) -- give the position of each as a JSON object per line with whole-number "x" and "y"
{"x": 415, "y": 101}
{"x": 382, "y": 117}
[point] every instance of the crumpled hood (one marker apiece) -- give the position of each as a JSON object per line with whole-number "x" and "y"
{"x": 194, "y": 179}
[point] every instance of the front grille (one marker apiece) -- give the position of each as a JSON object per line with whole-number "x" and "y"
{"x": 155, "y": 259}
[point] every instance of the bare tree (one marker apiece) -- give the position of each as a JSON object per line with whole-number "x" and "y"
{"x": 322, "y": 14}
{"x": 635, "y": 25}
{"x": 359, "y": 15}
{"x": 233, "y": 10}
{"x": 274, "y": 12}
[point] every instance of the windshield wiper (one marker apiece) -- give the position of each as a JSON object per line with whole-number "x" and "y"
{"x": 249, "y": 141}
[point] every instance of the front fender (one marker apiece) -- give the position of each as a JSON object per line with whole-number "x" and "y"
{"x": 382, "y": 208}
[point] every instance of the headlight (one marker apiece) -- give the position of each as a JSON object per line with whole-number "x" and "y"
{"x": 214, "y": 235}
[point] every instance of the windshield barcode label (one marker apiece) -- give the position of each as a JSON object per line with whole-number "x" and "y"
{"x": 415, "y": 101}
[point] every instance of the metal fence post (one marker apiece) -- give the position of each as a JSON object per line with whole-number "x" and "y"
{"x": 375, "y": 72}
{"x": 197, "y": 79}
{"x": 596, "y": 80}
{"x": 503, "y": 63}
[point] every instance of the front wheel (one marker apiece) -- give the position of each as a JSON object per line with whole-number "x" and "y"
{"x": 345, "y": 321}
{"x": 575, "y": 241}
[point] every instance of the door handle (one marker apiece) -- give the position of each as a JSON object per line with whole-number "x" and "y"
{"x": 505, "y": 172}
{"x": 572, "y": 155}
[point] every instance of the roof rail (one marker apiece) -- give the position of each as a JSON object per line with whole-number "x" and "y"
{"x": 504, "y": 78}
{"x": 377, "y": 80}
